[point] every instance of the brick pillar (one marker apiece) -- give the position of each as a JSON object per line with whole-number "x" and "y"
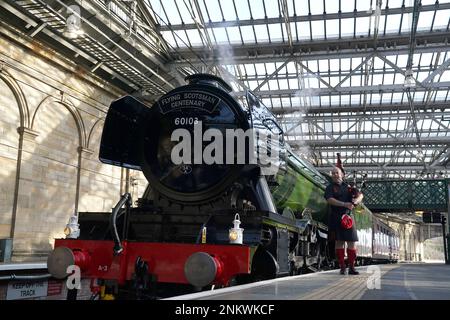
{"x": 82, "y": 153}
{"x": 26, "y": 146}
{"x": 29, "y": 136}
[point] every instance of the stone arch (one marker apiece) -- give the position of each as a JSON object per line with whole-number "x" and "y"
{"x": 50, "y": 175}
{"x": 73, "y": 111}
{"x": 100, "y": 183}
{"x": 92, "y": 131}
{"x": 20, "y": 98}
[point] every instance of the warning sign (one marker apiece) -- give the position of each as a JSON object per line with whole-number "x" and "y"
{"x": 26, "y": 289}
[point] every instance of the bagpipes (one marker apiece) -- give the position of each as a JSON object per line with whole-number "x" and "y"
{"x": 346, "y": 219}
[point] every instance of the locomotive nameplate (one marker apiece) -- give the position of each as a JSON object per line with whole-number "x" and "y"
{"x": 192, "y": 99}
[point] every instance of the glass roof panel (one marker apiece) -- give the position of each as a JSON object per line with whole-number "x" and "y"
{"x": 381, "y": 25}
{"x": 286, "y": 102}
{"x": 293, "y": 31}
{"x": 397, "y": 96}
{"x": 378, "y": 63}
{"x": 250, "y": 68}
{"x": 334, "y": 64}
{"x": 248, "y": 35}
{"x": 228, "y": 10}
{"x": 303, "y": 30}
{"x": 332, "y": 28}
{"x": 388, "y": 78}
{"x": 425, "y": 20}
{"x": 419, "y": 95}
{"x": 346, "y": 83}
{"x": 293, "y": 83}
{"x": 347, "y": 6}
{"x": 261, "y": 33}
{"x": 347, "y": 26}
{"x": 393, "y": 23}
{"x": 386, "y": 98}
{"x": 427, "y": 59}
{"x": 377, "y": 79}
{"x": 157, "y": 11}
{"x": 234, "y": 35}
{"x": 242, "y": 9}
{"x": 275, "y": 32}
{"x": 211, "y": 10}
{"x": 319, "y": 29}
{"x": 181, "y": 38}
{"x": 271, "y": 8}
{"x": 334, "y": 81}
{"x": 276, "y": 102}
{"x": 332, "y": 6}
{"x": 252, "y": 84}
{"x": 375, "y": 98}
{"x": 397, "y": 3}
{"x": 355, "y": 81}
{"x": 364, "y": 5}
{"x": 290, "y": 5}
{"x": 422, "y": 75}
{"x": 317, "y": 7}
{"x": 362, "y": 26}
{"x": 185, "y": 12}
{"x": 270, "y": 67}
{"x": 256, "y": 8}
{"x": 441, "y": 19}
{"x": 194, "y": 37}
{"x": 325, "y": 100}
{"x": 441, "y": 95}
{"x": 345, "y": 99}
{"x": 323, "y": 65}
{"x": 301, "y": 7}
{"x": 273, "y": 84}
{"x": 220, "y": 35}
{"x": 334, "y": 100}
{"x": 406, "y": 22}
{"x": 346, "y": 64}
{"x": 445, "y": 76}
{"x": 260, "y": 69}
{"x": 291, "y": 67}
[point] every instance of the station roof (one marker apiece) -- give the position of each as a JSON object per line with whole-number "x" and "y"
{"x": 367, "y": 78}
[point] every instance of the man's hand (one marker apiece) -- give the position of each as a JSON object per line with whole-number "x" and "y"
{"x": 338, "y": 203}
{"x": 349, "y": 205}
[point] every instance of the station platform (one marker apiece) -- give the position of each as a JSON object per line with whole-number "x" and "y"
{"x": 377, "y": 282}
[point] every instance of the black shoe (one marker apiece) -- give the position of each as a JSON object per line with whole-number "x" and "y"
{"x": 342, "y": 271}
{"x": 352, "y": 271}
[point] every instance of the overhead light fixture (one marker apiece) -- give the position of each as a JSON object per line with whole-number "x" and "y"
{"x": 409, "y": 80}
{"x": 419, "y": 154}
{"x": 73, "y": 27}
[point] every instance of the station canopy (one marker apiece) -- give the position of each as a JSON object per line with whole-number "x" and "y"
{"x": 369, "y": 79}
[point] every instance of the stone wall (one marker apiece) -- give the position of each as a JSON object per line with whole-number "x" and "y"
{"x": 50, "y": 130}
{"x": 411, "y": 240}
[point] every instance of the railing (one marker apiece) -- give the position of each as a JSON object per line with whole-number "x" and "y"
{"x": 406, "y": 195}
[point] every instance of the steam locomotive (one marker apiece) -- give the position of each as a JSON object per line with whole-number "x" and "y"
{"x": 203, "y": 223}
